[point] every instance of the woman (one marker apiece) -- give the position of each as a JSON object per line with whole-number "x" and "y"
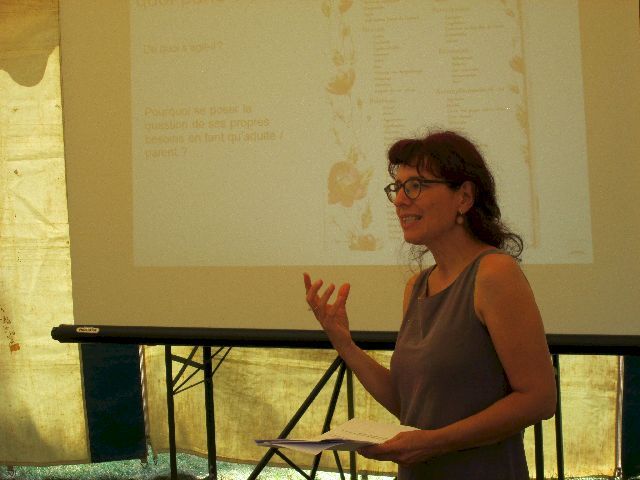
{"x": 471, "y": 368}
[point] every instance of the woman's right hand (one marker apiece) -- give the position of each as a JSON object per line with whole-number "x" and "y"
{"x": 331, "y": 316}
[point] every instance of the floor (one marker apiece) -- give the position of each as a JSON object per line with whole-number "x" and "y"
{"x": 190, "y": 467}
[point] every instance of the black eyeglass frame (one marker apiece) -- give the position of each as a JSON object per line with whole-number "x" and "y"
{"x": 394, "y": 188}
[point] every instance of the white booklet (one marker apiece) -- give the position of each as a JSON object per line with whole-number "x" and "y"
{"x": 351, "y": 435}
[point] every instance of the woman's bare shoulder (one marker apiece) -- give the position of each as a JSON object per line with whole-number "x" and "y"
{"x": 498, "y": 266}
{"x": 500, "y": 274}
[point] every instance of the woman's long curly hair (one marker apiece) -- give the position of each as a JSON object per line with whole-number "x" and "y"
{"x": 450, "y": 156}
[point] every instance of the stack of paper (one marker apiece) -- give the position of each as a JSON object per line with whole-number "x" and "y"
{"x": 349, "y": 436}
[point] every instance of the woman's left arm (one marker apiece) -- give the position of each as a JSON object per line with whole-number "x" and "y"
{"x": 505, "y": 304}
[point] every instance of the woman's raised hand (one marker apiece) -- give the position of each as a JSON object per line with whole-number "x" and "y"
{"x": 331, "y": 316}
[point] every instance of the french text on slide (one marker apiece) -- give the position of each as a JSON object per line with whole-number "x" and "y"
{"x": 169, "y": 131}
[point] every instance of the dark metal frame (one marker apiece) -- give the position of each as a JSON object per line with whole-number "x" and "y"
{"x": 204, "y": 337}
{"x": 174, "y": 388}
{"x": 370, "y": 340}
{"x": 339, "y": 365}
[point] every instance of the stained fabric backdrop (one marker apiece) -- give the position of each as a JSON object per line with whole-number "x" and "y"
{"x": 42, "y": 412}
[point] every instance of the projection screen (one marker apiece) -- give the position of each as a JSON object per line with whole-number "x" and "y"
{"x": 216, "y": 150}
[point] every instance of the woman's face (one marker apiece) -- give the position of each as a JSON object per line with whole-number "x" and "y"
{"x": 429, "y": 217}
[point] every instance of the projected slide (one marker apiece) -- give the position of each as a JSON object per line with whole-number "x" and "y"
{"x": 260, "y": 128}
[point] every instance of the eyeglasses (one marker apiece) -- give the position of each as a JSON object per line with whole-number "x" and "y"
{"x": 412, "y": 187}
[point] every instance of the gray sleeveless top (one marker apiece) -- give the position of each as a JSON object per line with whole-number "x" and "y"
{"x": 445, "y": 368}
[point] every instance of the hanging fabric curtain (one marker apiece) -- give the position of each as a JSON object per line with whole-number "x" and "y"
{"x": 41, "y": 412}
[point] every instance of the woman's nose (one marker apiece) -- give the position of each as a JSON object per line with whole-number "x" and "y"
{"x": 401, "y": 198}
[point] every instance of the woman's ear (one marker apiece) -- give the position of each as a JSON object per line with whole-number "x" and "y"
{"x": 467, "y": 195}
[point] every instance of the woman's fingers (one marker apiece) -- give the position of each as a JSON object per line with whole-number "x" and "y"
{"x": 312, "y": 293}
{"x": 307, "y": 281}
{"x": 326, "y": 296}
{"x": 309, "y": 286}
{"x": 343, "y": 294}
{"x": 317, "y": 303}
{"x": 320, "y": 303}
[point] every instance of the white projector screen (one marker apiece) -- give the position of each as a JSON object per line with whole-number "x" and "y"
{"x": 217, "y": 149}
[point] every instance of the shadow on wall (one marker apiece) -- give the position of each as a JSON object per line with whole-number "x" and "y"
{"x": 28, "y": 35}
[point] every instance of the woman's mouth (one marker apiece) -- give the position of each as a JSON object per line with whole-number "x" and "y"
{"x": 407, "y": 220}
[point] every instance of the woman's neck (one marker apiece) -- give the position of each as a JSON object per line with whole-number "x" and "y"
{"x": 456, "y": 253}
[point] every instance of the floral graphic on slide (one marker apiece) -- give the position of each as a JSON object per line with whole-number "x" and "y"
{"x": 348, "y": 182}
{"x": 363, "y": 242}
{"x": 517, "y": 65}
{"x": 342, "y": 83}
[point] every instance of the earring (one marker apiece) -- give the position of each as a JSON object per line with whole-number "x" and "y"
{"x": 460, "y": 218}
